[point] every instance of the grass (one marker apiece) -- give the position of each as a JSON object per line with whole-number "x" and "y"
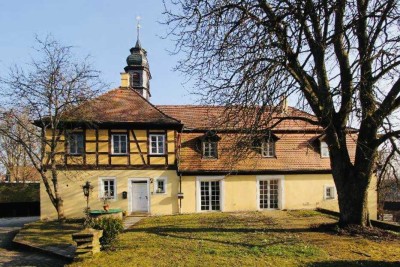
{"x": 45, "y": 234}
{"x": 243, "y": 239}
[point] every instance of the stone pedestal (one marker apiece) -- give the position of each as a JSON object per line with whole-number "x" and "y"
{"x": 87, "y": 242}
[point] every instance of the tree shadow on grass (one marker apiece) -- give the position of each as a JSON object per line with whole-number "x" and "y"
{"x": 175, "y": 231}
{"x": 155, "y": 230}
{"x": 364, "y": 263}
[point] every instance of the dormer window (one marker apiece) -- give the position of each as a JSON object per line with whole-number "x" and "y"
{"x": 265, "y": 144}
{"x": 135, "y": 79}
{"x": 268, "y": 148}
{"x": 209, "y": 145}
{"x": 324, "y": 149}
{"x": 210, "y": 149}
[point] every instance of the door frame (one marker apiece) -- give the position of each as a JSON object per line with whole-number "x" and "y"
{"x": 130, "y": 197}
{"x": 281, "y": 190}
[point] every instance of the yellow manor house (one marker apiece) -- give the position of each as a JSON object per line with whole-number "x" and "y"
{"x": 175, "y": 159}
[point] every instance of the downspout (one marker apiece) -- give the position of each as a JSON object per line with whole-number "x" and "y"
{"x": 178, "y": 151}
{"x": 180, "y": 191}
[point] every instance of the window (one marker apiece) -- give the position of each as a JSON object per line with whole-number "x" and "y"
{"x": 75, "y": 143}
{"x": 329, "y": 192}
{"x": 324, "y": 150}
{"x": 210, "y": 195}
{"x": 157, "y": 144}
{"x": 135, "y": 79}
{"x": 160, "y": 186}
{"x": 108, "y": 188}
{"x": 209, "y": 149}
{"x": 119, "y": 143}
{"x": 268, "y": 149}
{"x": 270, "y": 192}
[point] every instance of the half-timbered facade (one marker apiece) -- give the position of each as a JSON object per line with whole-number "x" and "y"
{"x": 176, "y": 159}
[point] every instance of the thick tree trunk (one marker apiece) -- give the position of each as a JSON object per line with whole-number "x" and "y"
{"x": 352, "y": 187}
{"x": 353, "y": 202}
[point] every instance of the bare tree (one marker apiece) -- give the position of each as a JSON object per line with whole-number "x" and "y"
{"x": 13, "y": 157}
{"x": 51, "y": 87}
{"x": 388, "y": 184}
{"x": 341, "y": 58}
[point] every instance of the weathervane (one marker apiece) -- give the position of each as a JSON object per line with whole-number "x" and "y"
{"x": 138, "y": 18}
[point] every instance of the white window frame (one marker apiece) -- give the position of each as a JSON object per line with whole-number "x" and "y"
{"x": 101, "y": 187}
{"x": 221, "y": 180}
{"x": 209, "y": 144}
{"x": 265, "y": 149}
{"x": 164, "y": 179}
{"x": 75, "y": 143}
{"x": 113, "y": 142}
{"x": 333, "y": 190}
{"x": 281, "y": 189}
{"x": 324, "y": 149}
{"x": 156, "y": 143}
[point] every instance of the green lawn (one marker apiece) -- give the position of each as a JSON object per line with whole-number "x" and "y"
{"x": 274, "y": 238}
{"x": 49, "y": 235}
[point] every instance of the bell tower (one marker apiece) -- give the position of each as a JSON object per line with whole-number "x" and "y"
{"x": 137, "y": 73}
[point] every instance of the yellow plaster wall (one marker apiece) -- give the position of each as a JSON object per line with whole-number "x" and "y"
{"x": 90, "y": 135}
{"x": 103, "y": 159}
{"x": 75, "y": 160}
{"x": 157, "y": 160}
{"x": 305, "y": 191}
{"x": 119, "y": 160}
{"x": 91, "y": 159}
{"x": 189, "y": 191}
{"x": 141, "y": 135}
{"x": 103, "y": 147}
{"x": 240, "y": 192}
{"x": 74, "y": 201}
{"x": 103, "y": 135}
{"x": 90, "y": 147}
{"x": 137, "y": 160}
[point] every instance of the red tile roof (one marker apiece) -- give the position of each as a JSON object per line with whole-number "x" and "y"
{"x": 218, "y": 117}
{"x": 121, "y": 105}
{"x": 294, "y": 152}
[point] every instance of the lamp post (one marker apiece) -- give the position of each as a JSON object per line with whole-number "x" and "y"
{"x": 87, "y": 188}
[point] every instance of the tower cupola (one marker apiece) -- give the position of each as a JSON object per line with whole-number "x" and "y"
{"x": 137, "y": 72}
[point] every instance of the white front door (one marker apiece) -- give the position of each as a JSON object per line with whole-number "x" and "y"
{"x": 140, "y": 198}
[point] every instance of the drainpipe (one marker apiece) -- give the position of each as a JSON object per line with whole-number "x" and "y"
{"x": 180, "y": 191}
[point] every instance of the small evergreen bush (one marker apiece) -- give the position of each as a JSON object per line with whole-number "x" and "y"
{"x": 111, "y": 228}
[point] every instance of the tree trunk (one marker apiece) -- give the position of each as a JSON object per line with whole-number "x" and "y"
{"x": 59, "y": 203}
{"x": 353, "y": 203}
{"x": 60, "y": 209}
{"x": 352, "y": 188}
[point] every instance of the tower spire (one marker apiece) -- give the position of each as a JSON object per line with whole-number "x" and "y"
{"x": 138, "y": 26}
{"x": 137, "y": 72}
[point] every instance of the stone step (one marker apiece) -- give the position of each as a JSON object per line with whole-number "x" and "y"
{"x": 129, "y": 221}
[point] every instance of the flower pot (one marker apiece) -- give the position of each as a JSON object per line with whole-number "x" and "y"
{"x": 106, "y": 207}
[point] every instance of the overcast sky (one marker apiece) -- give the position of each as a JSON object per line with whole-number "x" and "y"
{"x": 104, "y": 29}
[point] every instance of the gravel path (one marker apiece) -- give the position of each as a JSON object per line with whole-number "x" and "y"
{"x": 11, "y": 255}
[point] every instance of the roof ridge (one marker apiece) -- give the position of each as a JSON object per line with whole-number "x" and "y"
{"x": 153, "y": 105}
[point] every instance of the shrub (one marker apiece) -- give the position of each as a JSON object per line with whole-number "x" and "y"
{"x": 111, "y": 228}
